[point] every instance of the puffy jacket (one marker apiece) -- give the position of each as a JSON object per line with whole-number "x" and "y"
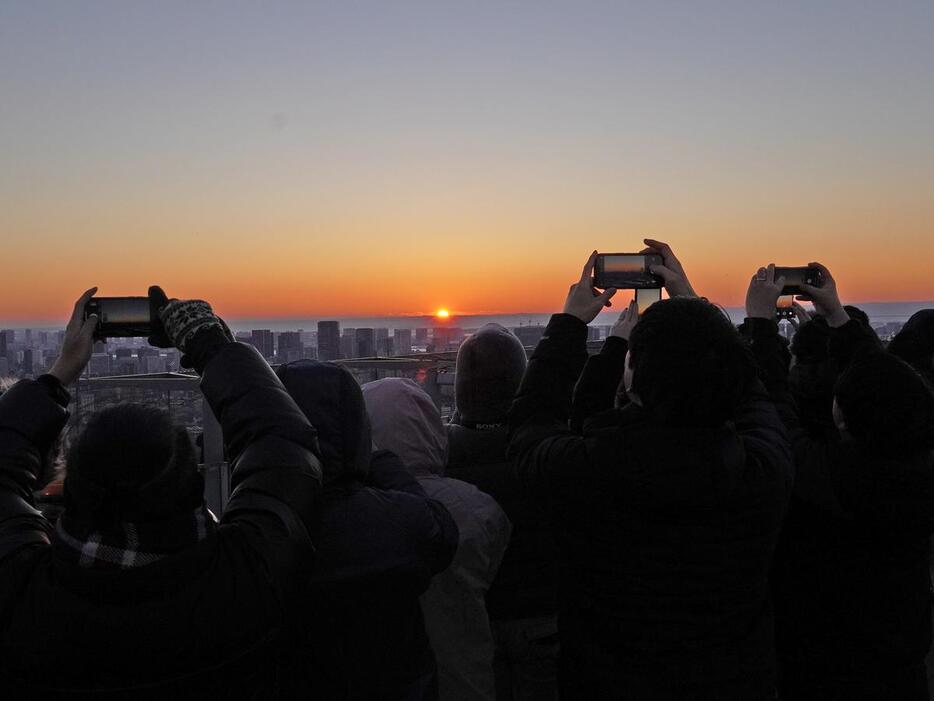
{"x": 379, "y": 540}
{"x": 666, "y": 534}
{"x": 851, "y": 582}
{"x": 203, "y": 623}
{"x": 406, "y": 421}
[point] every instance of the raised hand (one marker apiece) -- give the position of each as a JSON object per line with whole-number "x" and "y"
{"x": 77, "y": 344}
{"x": 672, "y": 272}
{"x": 626, "y": 322}
{"x": 763, "y": 293}
{"x": 826, "y": 299}
{"x": 583, "y": 300}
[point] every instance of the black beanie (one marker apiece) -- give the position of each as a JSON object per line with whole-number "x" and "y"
{"x": 490, "y": 365}
{"x": 131, "y": 463}
{"x": 887, "y": 406}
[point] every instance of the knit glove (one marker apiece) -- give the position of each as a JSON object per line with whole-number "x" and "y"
{"x": 184, "y": 319}
{"x": 189, "y": 325}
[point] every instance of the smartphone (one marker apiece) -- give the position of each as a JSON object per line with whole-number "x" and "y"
{"x": 646, "y": 297}
{"x": 784, "y": 308}
{"x": 795, "y": 277}
{"x": 626, "y": 271}
{"x": 120, "y": 317}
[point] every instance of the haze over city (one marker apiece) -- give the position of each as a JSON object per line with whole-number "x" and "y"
{"x": 292, "y": 160}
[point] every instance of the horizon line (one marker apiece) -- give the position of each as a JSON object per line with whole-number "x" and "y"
{"x": 60, "y": 323}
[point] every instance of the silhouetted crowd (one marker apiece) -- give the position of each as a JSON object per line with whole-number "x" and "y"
{"x": 696, "y": 512}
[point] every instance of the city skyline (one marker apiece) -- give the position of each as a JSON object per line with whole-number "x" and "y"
{"x": 373, "y": 159}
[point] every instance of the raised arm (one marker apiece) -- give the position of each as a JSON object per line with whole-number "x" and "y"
{"x": 597, "y": 388}
{"x": 540, "y": 440}
{"x": 815, "y": 456}
{"x": 271, "y": 445}
{"x": 32, "y": 415}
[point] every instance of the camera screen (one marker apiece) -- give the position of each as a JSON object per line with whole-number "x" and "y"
{"x": 624, "y": 264}
{"x": 794, "y": 277}
{"x": 123, "y": 310}
{"x": 646, "y": 298}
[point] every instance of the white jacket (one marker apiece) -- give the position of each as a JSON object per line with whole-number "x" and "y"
{"x": 406, "y": 421}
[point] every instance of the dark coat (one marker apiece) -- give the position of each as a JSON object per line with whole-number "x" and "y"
{"x": 203, "y": 623}
{"x": 667, "y": 533}
{"x": 379, "y": 540}
{"x": 851, "y": 582}
{"x": 526, "y": 584}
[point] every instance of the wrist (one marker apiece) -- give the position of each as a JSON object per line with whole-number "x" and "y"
{"x": 837, "y": 317}
{"x": 64, "y": 373}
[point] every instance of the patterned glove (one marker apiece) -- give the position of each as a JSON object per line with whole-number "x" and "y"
{"x": 185, "y": 319}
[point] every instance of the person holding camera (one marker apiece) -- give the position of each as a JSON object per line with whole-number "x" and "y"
{"x": 137, "y": 591}
{"x": 668, "y": 506}
{"x": 851, "y": 581}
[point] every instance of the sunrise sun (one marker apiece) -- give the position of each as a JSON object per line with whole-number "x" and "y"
{"x": 442, "y": 313}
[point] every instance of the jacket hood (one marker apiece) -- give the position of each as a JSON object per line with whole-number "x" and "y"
{"x": 330, "y": 398}
{"x": 915, "y": 342}
{"x": 490, "y": 365}
{"x": 405, "y": 421}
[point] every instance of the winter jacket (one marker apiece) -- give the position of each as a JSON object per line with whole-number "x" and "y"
{"x": 203, "y": 623}
{"x": 851, "y": 582}
{"x": 379, "y": 540}
{"x": 666, "y": 533}
{"x": 526, "y": 584}
{"x": 405, "y": 421}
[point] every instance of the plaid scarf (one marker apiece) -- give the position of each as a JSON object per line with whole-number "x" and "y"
{"x": 128, "y": 545}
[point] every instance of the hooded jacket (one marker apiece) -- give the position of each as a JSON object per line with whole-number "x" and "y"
{"x": 204, "y": 622}
{"x": 379, "y": 541}
{"x": 490, "y": 365}
{"x": 915, "y": 343}
{"x": 666, "y": 532}
{"x": 851, "y": 581}
{"x": 405, "y": 421}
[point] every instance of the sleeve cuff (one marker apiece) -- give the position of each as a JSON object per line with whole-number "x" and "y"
{"x": 615, "y": 348}
{"x": 55, "y": 389}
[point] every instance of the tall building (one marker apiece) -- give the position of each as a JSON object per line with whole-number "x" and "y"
{"x": 290, "y": 346}
{"x": 365, "y": 343}
{"x": 446, "y": 338}
{"x": 264, "y": 342}
{"x": 384, "y": 347}
{"x": 329, "y": 340}
{"x": 402, "y": 341}
{"x": 28, "y": 361}
{"x": 421, "y": 336}
{"x": 349, "y": 343}
{"x": 6, "y": 343}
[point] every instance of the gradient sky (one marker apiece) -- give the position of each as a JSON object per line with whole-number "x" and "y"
{"x": 299, "y": 159}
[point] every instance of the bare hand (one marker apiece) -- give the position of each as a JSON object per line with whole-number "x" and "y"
{"x": 583, "y": 300}
{"x": 826, "y": 298}
{"x": 672, "y": 272}
{"x": 801, "y": 316}
{"x": 626, "y": 322}
{"x": 78, "y": 343}
{"x": 763, "y": 293}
